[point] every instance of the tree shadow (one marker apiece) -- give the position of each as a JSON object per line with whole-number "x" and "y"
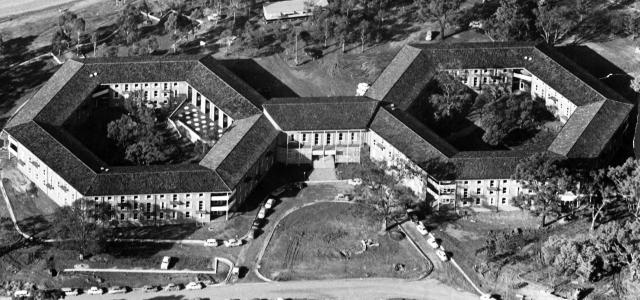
{"x": 260, "y": 79}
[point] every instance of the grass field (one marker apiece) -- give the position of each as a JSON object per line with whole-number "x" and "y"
{"x": 321, "y": 241}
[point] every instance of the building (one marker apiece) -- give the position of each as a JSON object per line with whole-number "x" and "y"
{"x": 249, "y": 133}
{"x": 290, "y": 9}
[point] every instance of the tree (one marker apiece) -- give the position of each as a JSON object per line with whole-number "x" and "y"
{"x": 57, "y": 40}
{"x": 343, "y": 30}
{"x": 129, "y": 21}
{"x": 78, "y": 27}
{"x": 150, "y": 45}
{"x": 512, "y": 21}
{"x": 542, "y": 176}
{"x": 123, "y": 130}
{"x": 364, "y": 30}
{"x": 171, "y": 24}
{"x": 94, "y": 41}
{"x": 66, "y": 22}
{"x": 450, "y": 100}
{"x": 511, "y": 112}
{"x": 1, "y": 45}
{"x": 442, "y": 10}
{"x": 234, "y": 6}
{"x": 601, "y": 193}
{"x": 77, "y": 225}
{"x": 627, "y": 181}
{"x": 554, "y": 23}
{"x": 145, "y": 152}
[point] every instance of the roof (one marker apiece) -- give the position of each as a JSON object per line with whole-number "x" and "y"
{"x": 487, "y": 164}
{"x": 197, "y": 121}
{"x": 589, "y": 129}
{"x": 291, "y": 8}
{"x": 409, "y": 136}
{"x": 240, "y": 148}
{"x": 328, "y": 113}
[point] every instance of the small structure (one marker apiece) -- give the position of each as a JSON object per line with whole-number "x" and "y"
{"x": 290, "y": 9}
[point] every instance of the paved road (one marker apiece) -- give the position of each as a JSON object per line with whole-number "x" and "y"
{"x": 379, "y": 288}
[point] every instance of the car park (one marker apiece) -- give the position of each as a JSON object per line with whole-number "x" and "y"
{"x": 442, "y": 255}
{"x": 117, "y": 290}
{"x": 194, "y": 285}
{"x": 421, "y": 228}
{"x": 212, "y": 243}
{"x": 233, "y": 242}
{"x": 70, "y": 291}
{"x": 269, "y": 204}
{"x": 149, "y": 288}
{"x": 166, "y": 261}
{"x": 433, "y": 242}
{"x": 171, "y": 287}
{"x": 257, "y": 223}
{"x": 94, "y": 290}
{"x": 262, "y": 213}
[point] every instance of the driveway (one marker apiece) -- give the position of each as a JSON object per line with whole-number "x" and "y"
{"x": 331, "y": 289}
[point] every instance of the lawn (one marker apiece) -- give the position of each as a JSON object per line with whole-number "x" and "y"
{"x": 322, "y": 241}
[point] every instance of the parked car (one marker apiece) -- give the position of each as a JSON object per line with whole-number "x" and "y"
{"x": 212, "y": 243}
{"x": 94, "y": 290}
{"x": 149, "y": 288}
{"x": 340, "y": 197}
{"x": 194, "y": 285}
{"x": 257, "y": 223}
{"x": 262, "y": 213}
{"x": 354, "y": 181}
{"x": 442, "y": 255}
{"x": 70, "y": 291}
{"x": 269, "y": 204}
{"x": 487, "y": 297}
{"x": 165, "y": 263}
{"x": 233, "y": 242}
{"x": 279, "y": 191}
{"x": 433, "y": 242}
{"x": 22, "y": 293}
{"x": 171, "y": 287}
{"x": 116, "y": 289}
{"x": 421, "y": 228}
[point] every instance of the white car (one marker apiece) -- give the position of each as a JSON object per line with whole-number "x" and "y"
{"x": 211, "y": 243}
{"x": 442, "y": 255}
{"x": 21, "y": 293}
{"x": 194, "y": 286}
{"x": 433, "y": 242}
{"x": 269, "y": 203}
{"x": 233, "y": 242}
{"x": 262, "y": 213}
{"x": 70, "y": 291}
{"x": 354, "y": 181}
{"x": 421, "y": 228}
{"x": 165, "y": 263}
{"x": 117, "y": 290}
{"x": 487, "y": 297}
{"x": 94, "y": 290}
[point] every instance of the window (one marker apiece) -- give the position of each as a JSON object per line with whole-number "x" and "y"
{"x": 466, "y": 182}
{"x": 135, "y": 197}
{"x": 162, "y": 205}
{"x": 188, "y": 195}
{"x": 162, "y": 197}
{"x": 478, "y": 191}
{"x": 316, "y": 139}
{"x": 224, "y": 121}
{"x": 475, "y": 81}
{"x": 174, "y": 215}
{"x": 95, "y": 198}
{"x": 148, "y": 206}
{"x": 161, "y": 215}
{"x": 479, "y": 182}
{"x": 504, "y": 181}
{"x": 109, "y": 198}
{"x": 340, "y": 136}
{"x": 491, "y": 201}
{"x": 207, "y": 107}
{"x": 155, "y": 93}
{"x": 146, "y": 85}
{"x": 215, "y": 114}
{"x": 188, "y": 204}
{"x": 121, "y": 216}
{"x": 135, "y": 85}
{"x": 155, "y": 84}
{"x": 477, "y": 201}
{"x": 187, "y": 215}
{"x": 465, "y": 193}
{"x": 198, "y": 99}
{"x": 491, "y": 183}
{"x": 135, "y": 205}
{"x": 504, "y": 200}
{"x": 166, "y": 85}
{"x": 200, "y": 205}
{"x": 117, "y": 86}
{"x": 148, "y": 197}
{"x": 504, "y": 190}
{"x": 328, "y": 138}
{"x": 353, "y": 137}
{"x": 146, "y": 95}
{"x": 126, "y": 87}
{"x": 304, "y": 137}
{"x": 200, "y": 195}
{"x": 135, "y": 216}
{"x": 292, "y": 137}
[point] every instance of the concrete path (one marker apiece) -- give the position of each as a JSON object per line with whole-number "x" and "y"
{"x": 378, "y": 288}
{"x": 10, "y": 209}
{"x": 141, "y": 271}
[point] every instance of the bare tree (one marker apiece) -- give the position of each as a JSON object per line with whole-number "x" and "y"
{"x": 442, "y": 10}
{"x": 555, "y": 23}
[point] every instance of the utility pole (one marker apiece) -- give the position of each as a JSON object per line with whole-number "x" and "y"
{"x": 295, "y": 31}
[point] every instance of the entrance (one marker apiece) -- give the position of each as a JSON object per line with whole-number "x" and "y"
{"x": 324, "y": 162}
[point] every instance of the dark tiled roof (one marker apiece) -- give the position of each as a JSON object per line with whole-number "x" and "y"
{"x": 487, "y": 164}
{"x": 329, "y": 113}
{"x": 186, "y": 178}
{"x": 240, "y": 148}
{"x": 589, "y": 129}
{"x": 409, "y": 136}
{"x": 51, "y": 152}
{"x": 405, "y": 77}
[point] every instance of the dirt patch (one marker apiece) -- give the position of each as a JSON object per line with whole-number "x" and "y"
{"x": 323, "y": 241}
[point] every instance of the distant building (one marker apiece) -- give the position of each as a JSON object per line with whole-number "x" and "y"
{"x": 290, "y": 9}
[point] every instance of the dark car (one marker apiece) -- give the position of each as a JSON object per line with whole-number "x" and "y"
{"x": 313, "y": 53}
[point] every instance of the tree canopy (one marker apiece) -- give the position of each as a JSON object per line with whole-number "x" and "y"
{"x": 510, "y": 112}
{"x": 79, "y": 224}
